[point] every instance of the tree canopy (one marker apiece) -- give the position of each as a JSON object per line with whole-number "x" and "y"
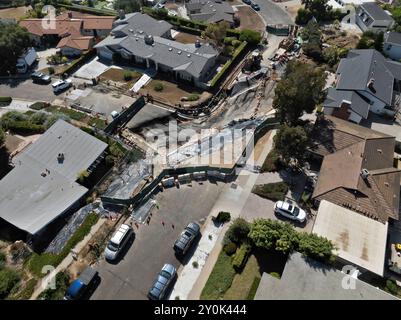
{"x": 251, "y": 36}
{"x": 371, "y": 40}
{"x": 319, "y": 9}
{"x": 290, "y": 143}
{"x": 299, "y": 91}
{"x": 215, "y": 34}
{"x": 128, "y": 6}
{"x": 14, "y": 40}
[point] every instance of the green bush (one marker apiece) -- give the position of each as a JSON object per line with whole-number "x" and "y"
{"x": 237, "y": 232}
{"x": 230, "y": 248}
{"x": 229, "y": 40}
{"x": 241, "y": 257}
{"x": 158, "y": 86}
{"x": 236, "y": 43}
{"x": 2, "y": 260}
{"x": 223, "y": 217}
{"x": 273, "y": 191}
{"x": 254, "y": 288}
{"x": 392, "y": 287}
{"x": 8, "y": 280}
{"x": 51, "y": 70}
{"x": 38, "y": 261}
{"x": 127, "y": 76}
{"x": 251, "y": 36}
{"x": 62, "y": 284}
{"x": 275, "y": 275}
{"x": 27, "y": 292}
{"x": 193, "y": 97}
{"x": 25, "y": 127}
{"x": 38, "y": 105}
{"x": 5, "y": 101}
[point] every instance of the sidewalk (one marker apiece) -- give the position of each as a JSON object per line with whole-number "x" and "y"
{"x": 42, "y": 284}
{"x": 191, "y": 281}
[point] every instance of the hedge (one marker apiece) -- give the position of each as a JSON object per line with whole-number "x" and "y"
{"x": 5, "y": 100}
{"x": 25, "y": 127}
{"x": 241, "y": 256}
{"x": 90, "y": 10}
{"x": 38, "y": 261}
{"x": 273, "y": 191}
{"x": 237, "y": 52}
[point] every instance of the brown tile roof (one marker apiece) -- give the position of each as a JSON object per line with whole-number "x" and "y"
{"x": 340, "y": 180}
{"x": 80, "y": 43}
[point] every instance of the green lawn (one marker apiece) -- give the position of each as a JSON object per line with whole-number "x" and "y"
{"x": 243, "y": 282}
{"x": 220, "y": 279}
{"x": 272, "y": 191}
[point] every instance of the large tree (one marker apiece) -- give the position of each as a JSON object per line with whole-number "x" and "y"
{"x": 215, "y": 34}
{"x": 14, "y": 40}
{"x": 127, "y": 5}
{"x": 290, "y": 143}
{"x": 299, "y": 91}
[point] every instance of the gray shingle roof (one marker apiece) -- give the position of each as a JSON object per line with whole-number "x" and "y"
{"x": 360, "y": 67}
{"x": 393, "y": 38}
{"x": 40, "y": 188}
{"x": 211, "y": 10}
{"x": 359, "y": 104}
{"x": 375, "y": 11}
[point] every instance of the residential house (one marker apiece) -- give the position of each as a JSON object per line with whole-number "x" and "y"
{"x": 371, "y": 17}
{"x": 76, "y": 26}
{"x": 358, "y": 189}
{"x": 144, "y": 41}
{"x": 304, "y": 278}
{"x": 392, "y": 45}
{"x": 42, "y": 187}
{"x": 365, "y": 82}
{"x": 210, "y": 11}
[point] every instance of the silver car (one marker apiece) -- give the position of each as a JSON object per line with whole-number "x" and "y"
{"x": 118, "y": 241}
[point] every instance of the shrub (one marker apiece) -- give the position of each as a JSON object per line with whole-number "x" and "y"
{"x": 127, "y": 76}
{"x": 5, "y": 101}
{"x": 316, "y": 247}
{"x": 241, "y": 256}
{"x": 38, "y": 105}
{"x": 26, "y": 293}
{"x": 195, "y": 264}
{"x": 230, "y": 248}
{"x": 2, "y": 260}
{"x": 223, "y": 217}
{"x": 229, "y": 40}
{"x": 8, "y": 280}
{"x": 236, "y": 43}
{"x": 251, "y": 36}
{"x": 275, "y": 275}
{"x": 193, "y": 97}
{"x": 51, "y": 70}
{"x": 62, "y": 283}
{"x": 272, "y": 162}
{"x": 392, "y": 287}
{"x": 83, "y": 175}
{"x": 158, "y": 86}
{"x": 273, "y": 191}
{"x": 237, "y": 232}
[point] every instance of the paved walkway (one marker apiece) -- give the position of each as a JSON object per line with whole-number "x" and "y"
{"x": 42, "y": 285}
{"x": 191, "y": 281}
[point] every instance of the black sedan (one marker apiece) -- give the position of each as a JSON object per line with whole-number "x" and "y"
{"x": 247, "y": 2}
{"x": 42, "y": 78}
{"x": 255, "y": 6}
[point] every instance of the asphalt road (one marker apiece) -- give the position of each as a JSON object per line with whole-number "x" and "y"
{"x": 272, "y": 13}
{"x": 27, "y": 90}
{"x": 132, "y": 277}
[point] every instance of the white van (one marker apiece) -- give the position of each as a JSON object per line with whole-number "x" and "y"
{"x": 61, "y": 85}
{"x": 118, "y": 241}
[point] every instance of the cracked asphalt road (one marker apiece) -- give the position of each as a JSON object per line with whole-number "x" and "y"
{"x": 272, "y": 13}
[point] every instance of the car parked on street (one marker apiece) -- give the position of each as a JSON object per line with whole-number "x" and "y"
{"x": 186, "y": 238}
{"x": 255, "y": 6}
{"x": 247, "y": 2}
{"x": 39, "y": 77}
{"x": 61, "y": 85}
{"x": 83, "y": 286}
{"x": 289, "y": 210}
{"x": 118, "y": 242}
{"x": 163, "y": 281}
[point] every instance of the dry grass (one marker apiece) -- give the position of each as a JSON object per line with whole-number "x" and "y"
{"x": 187, "y": 38}
{"x": 13, "y": 13}
{"x": 249, "y": 19}
{"x": 117, "y": 75}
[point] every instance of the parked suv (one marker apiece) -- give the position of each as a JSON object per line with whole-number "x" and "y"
{"x": 164, "y": 279}
{"x": 186, "y": 238}
{"x": 118, "y": 241}
{"x": 61, "y": 85}
{"x": 289, "y": 210}
{"x": 39, "y": 77}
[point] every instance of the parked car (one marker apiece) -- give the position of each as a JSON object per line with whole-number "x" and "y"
{"x": 164, "y": 279}
{"x": 118, "y": 242}
{"x": 84, "y": 286}
{"x": 61, "y": 85}
{"x": 255, "y": 6}
{"x": 39, "y": 77}
{"x": 289, "y": 210}
{"x": 247, "y": 2}
{"x": 186, "y": 238}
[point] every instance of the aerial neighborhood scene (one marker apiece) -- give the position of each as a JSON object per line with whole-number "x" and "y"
{"x": 200, "y": 150}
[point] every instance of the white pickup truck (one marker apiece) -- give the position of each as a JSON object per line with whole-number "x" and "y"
{"x": 26, "y": 61}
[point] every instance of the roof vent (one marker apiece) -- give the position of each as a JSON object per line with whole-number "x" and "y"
{"x": 188, "y": 55}
{"x": 371, "y": 83}
{"x": 140, "y": 31}
{"x": 365, "y": 173}
{"x": 170, "y": 49}
{"x": 149, "y": 39}
{"x": 179, "y": 51}
{"x": 131, "y": 30}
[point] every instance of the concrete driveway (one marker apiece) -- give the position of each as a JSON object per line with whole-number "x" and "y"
{"x": 92, "y": 69}
{"x": 133, "y": 276}
{"x": 43, "y": 55}
{"x": 273, "y": 13}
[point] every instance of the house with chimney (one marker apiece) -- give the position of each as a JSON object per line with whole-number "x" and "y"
{"x": 72, "y": 32}
{"x": 211, "y": 11}
{"x": 138, "y": 39}
{"x": 371, "y": 17}
{"x": 365, "y": 82}
{"x": 357, "y": 190}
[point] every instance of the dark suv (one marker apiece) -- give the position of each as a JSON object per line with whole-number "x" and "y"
{"x": 42, "y": 78}
{"x": 186, "y": 238}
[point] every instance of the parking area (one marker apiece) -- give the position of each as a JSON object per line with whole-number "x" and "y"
{"x": 133, "y": 275}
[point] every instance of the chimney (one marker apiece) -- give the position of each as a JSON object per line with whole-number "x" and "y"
{"x": 197, "y": 43}
{"x": 365, "y": 173}
{"x": 371, "y": 83}
{"x": 149, "y": 39}
{"x": 121, "y": 14}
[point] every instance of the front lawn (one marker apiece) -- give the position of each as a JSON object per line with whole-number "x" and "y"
{"x": 273, "y": 191}
{"x": 126, "y": 78}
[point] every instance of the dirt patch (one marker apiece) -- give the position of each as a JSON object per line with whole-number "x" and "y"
{"x": 187, "y": 38}
{"x": 339, "y": 38}
{"x": 12, "y": 142}
{"x": 249, "y": 19}
{"x": 14, "y": 13}
{"x": 117, "y": 75}
{"x": 172, "y": 93}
